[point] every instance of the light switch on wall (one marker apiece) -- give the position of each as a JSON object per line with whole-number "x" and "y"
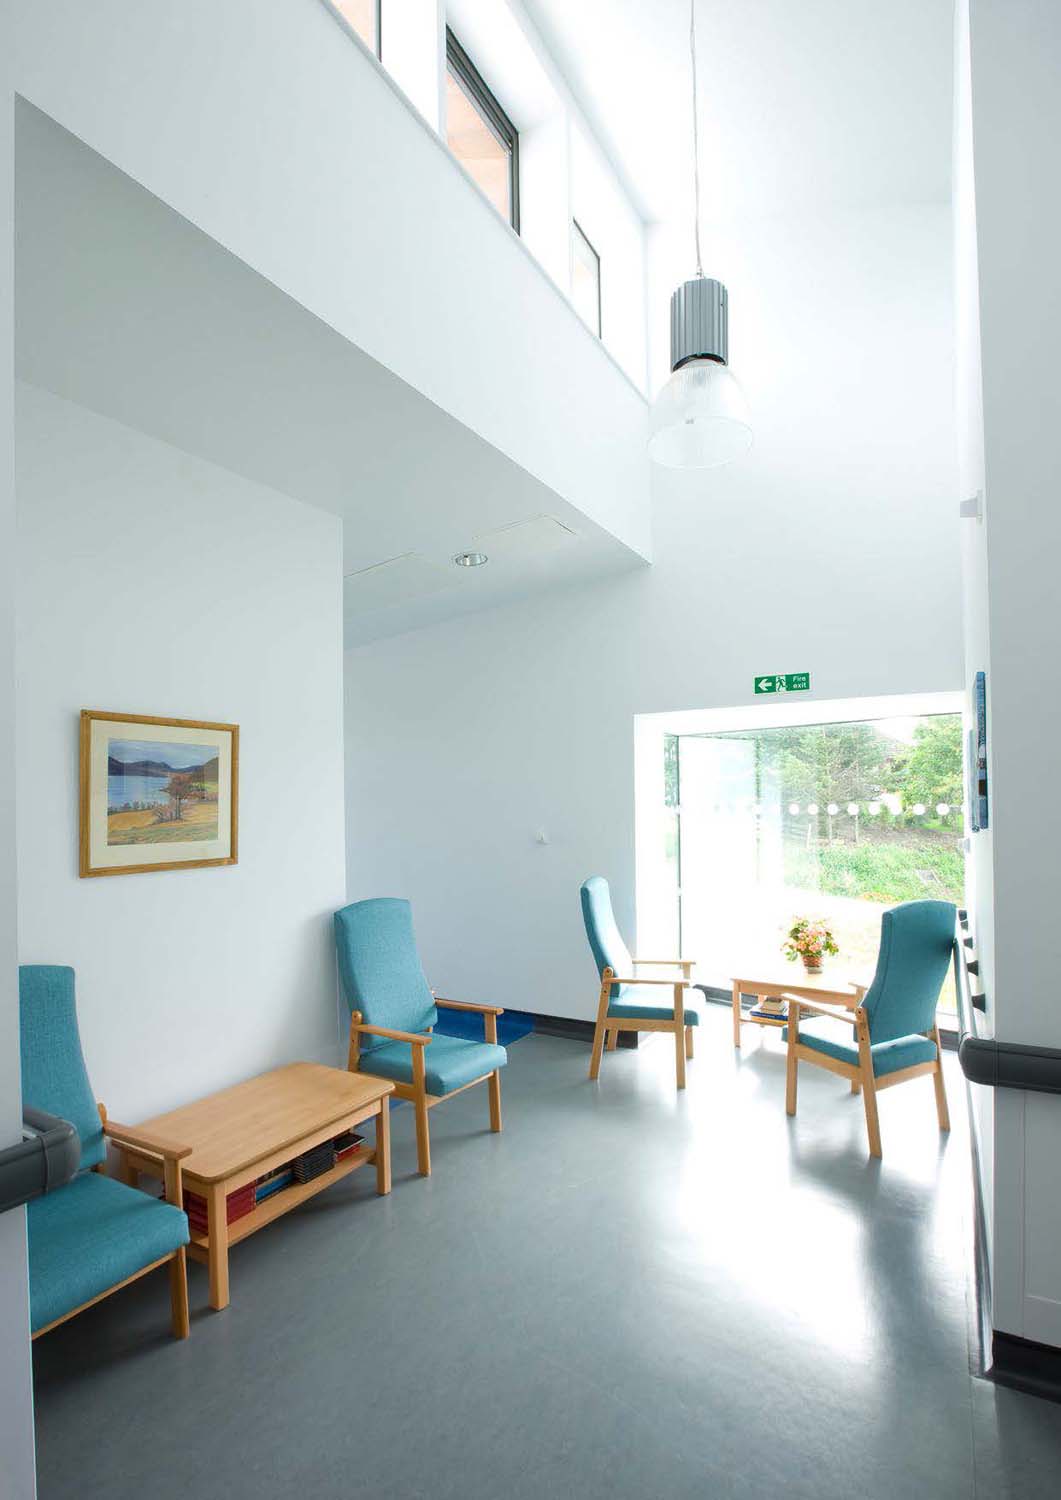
{"x": 541, "y": 837}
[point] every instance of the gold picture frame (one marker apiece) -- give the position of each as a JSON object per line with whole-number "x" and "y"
{"x": 156, "y": 793}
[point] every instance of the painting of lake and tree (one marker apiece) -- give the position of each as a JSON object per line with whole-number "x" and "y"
{"x": 159, "y": 792}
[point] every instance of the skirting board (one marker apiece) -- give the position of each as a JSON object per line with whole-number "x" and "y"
{"x": 581, "y": 1031}
{"x": 1025, "y": 1366}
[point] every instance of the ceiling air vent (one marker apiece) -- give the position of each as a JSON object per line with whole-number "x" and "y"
{"x": 532, "y": 538}
{"x": 396, "y": 581}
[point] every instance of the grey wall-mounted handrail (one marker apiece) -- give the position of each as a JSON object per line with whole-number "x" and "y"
{"x": 998, "y": 1065}
{"x": 47, "y": 1157}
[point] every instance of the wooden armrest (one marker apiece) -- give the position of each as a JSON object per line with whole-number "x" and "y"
{"x": 395, "y": 1036}
{"x": 670, "y": 983}
{"x": 665, "y": 963}
{"x": 821, "y": 1008}
{"x": 145, "y": 1140}
{"x": 486, "y": 1010}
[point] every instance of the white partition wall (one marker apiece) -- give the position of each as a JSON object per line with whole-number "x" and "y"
{"x": 1011, "y": 616}
{"x": 16, "y": 1404}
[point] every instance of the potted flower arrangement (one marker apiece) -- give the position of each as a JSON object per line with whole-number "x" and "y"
{"x": 810, "y": 940}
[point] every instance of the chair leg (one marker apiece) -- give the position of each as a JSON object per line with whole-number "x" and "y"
{"x": 791, "y": 1073}
{"x": 423, "y": 1130}
{"x": 868, "y": 1081}
{"x": 598, "y": 1031}
{"x": 423, "y": 1137}
{"x": 869, "y": 1099}
{"x": 855, "y": 1085}
{"x": 689, "y": 1041}
{"x": 613, "y": 1038}
{"x": 679, "y": 1035}
{"x": 494, "y": 1089}
{"x": 937, "y": 1078}
{"x": 178, "y": 1295}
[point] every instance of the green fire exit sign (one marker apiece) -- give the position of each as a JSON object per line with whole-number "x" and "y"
{"x": 783, "y": 682}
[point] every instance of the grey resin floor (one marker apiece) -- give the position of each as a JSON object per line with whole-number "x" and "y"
{"x": 628, "y": 1293}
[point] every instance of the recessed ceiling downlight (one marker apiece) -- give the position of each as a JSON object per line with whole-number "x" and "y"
{"x": 470, "y": 559}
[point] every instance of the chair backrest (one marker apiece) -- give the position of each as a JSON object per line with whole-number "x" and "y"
{"x": 916, "y": 948}
{"x": 54, "y": 1076}
{"x": 380, "y": 967}
{"x": 609, "y": 950}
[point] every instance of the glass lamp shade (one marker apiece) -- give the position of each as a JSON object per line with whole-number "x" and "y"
{"x": 700, "y": 418}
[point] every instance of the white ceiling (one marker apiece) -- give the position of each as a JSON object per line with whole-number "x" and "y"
{"x": 126, "y": 308}
{"x": 803, "y": 103}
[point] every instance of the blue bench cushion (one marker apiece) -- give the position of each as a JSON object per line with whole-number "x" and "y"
{"x": 449, "y": 1062}
{"x": 638, "y": 1005}
{"x": 835, "y": 1039}
{"x": 88, "y": 1236}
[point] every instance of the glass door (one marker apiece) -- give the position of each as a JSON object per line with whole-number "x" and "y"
{"x": 833, "y": 821}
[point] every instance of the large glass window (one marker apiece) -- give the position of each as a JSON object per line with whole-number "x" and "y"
{"x": 364, "y": 17}
{"x": 838, "y": 821}
{"x": 480, "y": 134}
{"x": 585, "y": 279}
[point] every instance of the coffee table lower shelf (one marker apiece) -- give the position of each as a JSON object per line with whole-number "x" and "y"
{"x": 280, "y": 1202}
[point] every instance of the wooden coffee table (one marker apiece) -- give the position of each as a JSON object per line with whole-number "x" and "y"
{"x": 832, "y": 985}
{"x": 246, "y": 1131}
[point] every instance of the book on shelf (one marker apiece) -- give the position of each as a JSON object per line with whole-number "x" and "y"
{"x": 272, "y": 1182}
{"x": 347, "y": 1143}
{"x": 315, "y": 1162}
{"x": 237, "y": 1204}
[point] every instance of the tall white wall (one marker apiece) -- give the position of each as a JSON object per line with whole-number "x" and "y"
{"x": 271, "y": 130}
{"x": 16, "y": 1400}
{"x": 979, "y": 868}
{"x": 831, "y": 549}
{"x": 153, "y": 582}
{"x": 1016, "y": 123}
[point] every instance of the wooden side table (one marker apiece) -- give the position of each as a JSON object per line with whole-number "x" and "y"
{"x": 832, "y": 985}
{"x": 249, "y": 1130}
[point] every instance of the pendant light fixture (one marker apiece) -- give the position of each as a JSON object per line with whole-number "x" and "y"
{"x": 700, "y": 419}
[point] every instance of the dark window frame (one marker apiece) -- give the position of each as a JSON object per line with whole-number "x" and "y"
{"x": 497, "y": 121}
{"x": 577, "y": 227}
{"x": 349, "y": 26}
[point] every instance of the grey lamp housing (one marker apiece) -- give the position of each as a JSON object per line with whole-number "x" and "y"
{"x": 699, "y": 322}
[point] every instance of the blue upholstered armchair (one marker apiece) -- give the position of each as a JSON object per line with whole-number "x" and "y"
{"x": 889, "y": 1034}
{"x": 629, "y": 1001}
{"x": 94, "y": 1235}
{"x": 393, "y": 1013}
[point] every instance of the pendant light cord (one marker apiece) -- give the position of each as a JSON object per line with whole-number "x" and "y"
{"x": 696, "y": 136}
{"x": 692, "y": 54}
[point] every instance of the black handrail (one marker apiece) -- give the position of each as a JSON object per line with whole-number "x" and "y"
{"x": 998, "y": 1065}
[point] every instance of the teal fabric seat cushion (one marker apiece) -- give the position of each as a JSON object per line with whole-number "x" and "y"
{"x": 88, "y": 1236}
{"x": 835, "y": 1039}
{"x": 449, "y": 1062}
{"x": 637, "y": 1005}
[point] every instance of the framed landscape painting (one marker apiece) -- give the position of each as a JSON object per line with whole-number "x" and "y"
{"x": 156, "y": 794}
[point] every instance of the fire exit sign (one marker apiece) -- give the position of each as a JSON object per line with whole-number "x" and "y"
{"x": 783, "y": 682}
